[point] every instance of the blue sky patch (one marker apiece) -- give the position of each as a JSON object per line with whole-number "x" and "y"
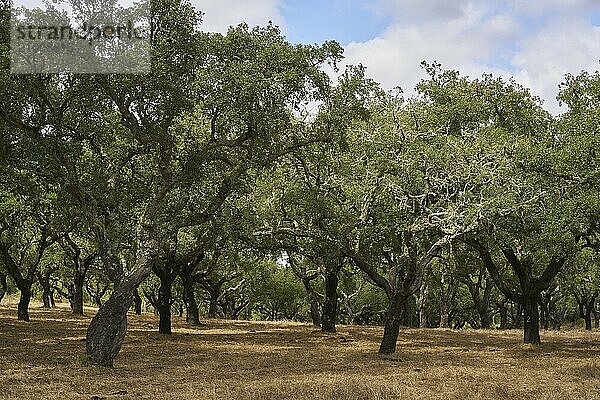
{"x": 346, "y": 21}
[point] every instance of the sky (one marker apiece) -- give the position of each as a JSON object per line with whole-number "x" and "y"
{"x": 535, "y": 41}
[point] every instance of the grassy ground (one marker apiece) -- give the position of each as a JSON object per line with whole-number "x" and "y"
{"x": 44, "y": 359}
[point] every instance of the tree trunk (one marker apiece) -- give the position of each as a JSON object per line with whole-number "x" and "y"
{"x": 587, "y": 305}
{"x": 137, "y": 302}
{"x": 23, "y": 308}
{"x": 596, "y": 318}
{"x": 393, "y": 318}
{"x": 107, "y": 330}
{"x": 503, "y": 310}
{"x": 44, "y": 281}
{"x": 531, "y": 287}
{"x": 164, "y": 305}
{"x": 444, "y": 318}
{"x": 588, "y": 320}
{"x": 192, "y": 315}
{"x": 315, "y": 306}
{"x": 531, "y": 321}
{"x": 151, "y": 297}
{"x": 315, "y": 312}
{"x": 108, "y": 327}
{"x": 544, "y": 315}
{"x": 484, "y": 309}
{"x": 408, "y": 312}
{"x": 556, "y": 324}
{"x": 422, "y": 311}
{"x": 46, "y": 297}
{"x": 485, "y": 315}
{"x": 77, "y": 295}
{"x": 329, "y": 317}
{"x": 213, "y": 304}
{"x": 3, "y": 286}
{"x": 486, "y": 319}
{"x": 446, "y": 300}
{"x": 237, "y": 310}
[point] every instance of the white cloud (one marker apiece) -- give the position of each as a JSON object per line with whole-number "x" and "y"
{"x": 219, "y": 15}
{"x": 466, "y": 43}
{"x": 476, "y": 37}
{"x": 418, "y": 10}
{"x": 564, "y": 46}
{"x": 546, "y": 6}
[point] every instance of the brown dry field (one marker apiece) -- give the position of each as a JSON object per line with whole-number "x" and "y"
{"x": 44, "y": 359}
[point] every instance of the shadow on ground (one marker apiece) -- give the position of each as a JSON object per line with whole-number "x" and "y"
{"x": 44, "y": 359}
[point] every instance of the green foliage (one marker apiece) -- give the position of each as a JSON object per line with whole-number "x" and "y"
{"x": 276, "y": 293}
{"x": 581, "y": 275}
{"x": 213, "y": 155}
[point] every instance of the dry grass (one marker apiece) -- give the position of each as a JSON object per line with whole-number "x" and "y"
{"x": 44, "y": 359}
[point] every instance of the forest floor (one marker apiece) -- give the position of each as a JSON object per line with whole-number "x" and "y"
{"x": 44, "y": 359}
